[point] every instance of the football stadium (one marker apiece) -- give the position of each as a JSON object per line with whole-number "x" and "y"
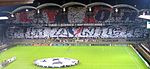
{"x": 74, "y": 34}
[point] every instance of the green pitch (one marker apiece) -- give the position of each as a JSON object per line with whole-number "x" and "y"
{"x": 90, "y": 57}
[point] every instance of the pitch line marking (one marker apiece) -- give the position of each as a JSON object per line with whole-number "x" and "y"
{"x": 132, "y": 57}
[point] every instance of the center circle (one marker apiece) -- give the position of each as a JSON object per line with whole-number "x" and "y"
{"x": 56, "y": 62}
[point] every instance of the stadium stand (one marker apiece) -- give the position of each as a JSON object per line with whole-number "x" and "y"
{"x": 77, "y": 26}
{"x": 144, "y": 50}
{"x": 97, "y": 32}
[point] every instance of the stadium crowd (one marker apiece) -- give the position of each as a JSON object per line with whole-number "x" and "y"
{"x": 86, "y": 32}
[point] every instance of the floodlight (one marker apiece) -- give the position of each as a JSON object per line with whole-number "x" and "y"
{"x": 90, "y": 9}
{"x": 27, "y": 10}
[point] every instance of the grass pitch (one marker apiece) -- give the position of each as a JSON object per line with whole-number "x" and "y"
{"x": 90, "y": 57}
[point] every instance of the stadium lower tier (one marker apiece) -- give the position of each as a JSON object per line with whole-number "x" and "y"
{"x": 90, "y": 57}
{"x": 97, "y": 32}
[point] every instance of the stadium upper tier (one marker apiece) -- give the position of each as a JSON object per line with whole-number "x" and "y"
{"x": 75, "y": 12}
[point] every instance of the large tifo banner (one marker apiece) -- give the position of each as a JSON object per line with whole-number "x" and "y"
{"x": 76, "y": 15}
{"x": 99, "y": 32}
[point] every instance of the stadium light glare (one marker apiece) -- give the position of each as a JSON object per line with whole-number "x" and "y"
{"x": 38, "y": 11}
{"x": 90, "y": 9}
{"x": 64, "y": 9}
{"x": 3, "y": 18}
{"x": 116, "y": 10}
{"x": 12, "y": 15}
{"x": 134, "y": 5}
{"x": 27, "y": 10}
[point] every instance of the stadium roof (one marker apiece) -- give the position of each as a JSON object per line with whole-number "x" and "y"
{"x": 10, "y": 5}
{"x": 14, "y": 2}
{"x": 140, "y": 4}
